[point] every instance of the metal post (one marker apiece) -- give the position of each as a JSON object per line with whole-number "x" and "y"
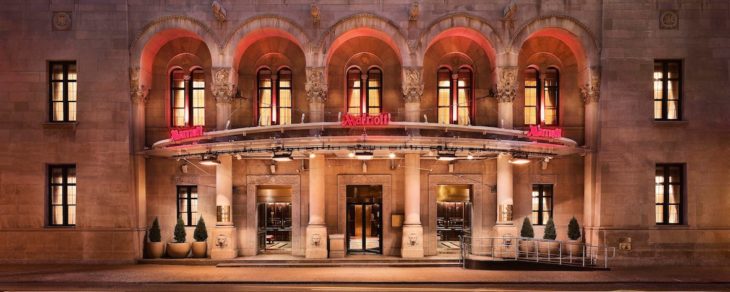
{"x": 517, "y": 251}
{"x": 560, "y": 253}
{"x": 584, "y": 255}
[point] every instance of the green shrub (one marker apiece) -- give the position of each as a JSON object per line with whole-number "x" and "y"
{"x": 180, "y": 231}
{"x": 550, "y": 230}
{"x": 527, "y": 228}
{"x": 201, "y": 233}
{"x": 573, "y": 229}
{"x": 154, "y": 234}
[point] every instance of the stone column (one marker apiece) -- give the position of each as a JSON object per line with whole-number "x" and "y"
{"x": 316, "y": 244}
{"x": 505, "y": 199}
{"x": 223, "y": 90}
{"x": 412, "y": 243}
{"x": 412, "y": 88}
{"x": 139, "y": 94}
{"x": 590, "y": 93}
{"x": 316, "y": 88}
{"x": 506, "y": 93}
{"x": 224, "y": 234}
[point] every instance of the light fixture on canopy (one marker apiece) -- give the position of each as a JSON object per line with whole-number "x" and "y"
{"x": 519, "y": 159}
{"x": 364, "y": 155}
{"x": 210, "y": 160}
{"x": 283, "y": 156}
{"x": 446, "y": 156}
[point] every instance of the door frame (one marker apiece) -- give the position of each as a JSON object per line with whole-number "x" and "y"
{"x": 364, "y": 250}
{"x": 385, "y": 180}
{"x": 249, "y": 218}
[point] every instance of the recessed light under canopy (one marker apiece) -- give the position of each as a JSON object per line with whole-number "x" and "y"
{"x": 210, "y": 159}
{"x": 364, "y": 155}
{"x": 519, "y": 159}
{"x": 282, "y": 156}
{"x": 446, "y": 156}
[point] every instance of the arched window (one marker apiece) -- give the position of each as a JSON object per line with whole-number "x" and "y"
{"x": 454, "y": 96}
{"x": 187, "y": 98}
{"x": 366, "y": 100}
{"x": 542, "y": 98}
{"x": 275, "y": 97}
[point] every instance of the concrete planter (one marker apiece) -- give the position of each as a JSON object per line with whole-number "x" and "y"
{"x": 178, "y": 250}
{"x": 548, "y": 247}
{"x": 153, "y": 250}
{"x": 200, "y": 249}
{"x": 574, "y": 248}
{"x": 526, "y": 248}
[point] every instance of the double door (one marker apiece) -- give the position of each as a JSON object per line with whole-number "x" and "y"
{"x": 364, "y": 228}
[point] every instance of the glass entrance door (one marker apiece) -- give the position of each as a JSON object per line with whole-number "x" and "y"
{"x": 453, "y": 216}
{"x": 364, "y": 220}
{"x": 274, "y": 214}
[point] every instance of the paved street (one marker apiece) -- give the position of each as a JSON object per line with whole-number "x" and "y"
{"x": 195, "y": 278}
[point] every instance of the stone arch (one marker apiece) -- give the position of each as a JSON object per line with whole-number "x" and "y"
{"x": 363, "y": 24}
{"x": 157, "y": 33}
{"x": 569, "y": 30}
{"x": 257, "y": 28}
{"x": 461, "y": 24}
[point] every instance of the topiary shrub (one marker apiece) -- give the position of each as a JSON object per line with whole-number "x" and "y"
{"x": 550, "y": 230}
{"x": 180, "y": 231}
{"x": 573, "y": 229}
{"x": 201, "y": 233}
{"x": 526, "y": 230}
{"x": 154, "y": 234}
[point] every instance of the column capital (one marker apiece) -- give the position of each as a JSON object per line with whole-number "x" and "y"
{"x": 223, "y": 88}
{"x": 412, "y": 85}
{"x": 316, "y": 85}
{"x": 138, "y": 92}
{"x": 506, "y": 84}
{"x": 590, "y": 92}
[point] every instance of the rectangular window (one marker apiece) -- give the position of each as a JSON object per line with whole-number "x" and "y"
{"x": 62, "y": 91}
{"x": 667, "y": 90}
{"x": 542, "y": 203}
{"x": 187, "y": 204}
{"x": 669, "y": 179}
{"x": 62, "y": 195}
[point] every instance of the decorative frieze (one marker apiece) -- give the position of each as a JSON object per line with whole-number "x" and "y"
{"x": 223, "y": 89}
{"x": 590, "y": 92}
{"x": 316, "y": 86}
{"x": 412, "y": 84}
{"x": 507, "y": 84}
{"x": 138, "y": 92}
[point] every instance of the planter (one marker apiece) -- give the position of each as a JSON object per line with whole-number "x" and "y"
{"x": 548, "y": 247}
{"x": 200, "y": 249}
{"x": 178, "y": 250}
{"x": 526, "y": 248}
{"x": 573, "y": 248}
{"x": 153, "y": 250}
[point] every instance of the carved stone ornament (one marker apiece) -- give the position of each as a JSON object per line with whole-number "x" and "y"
{"x": 316, "y": 86}
{"x": 508, "y": 16}
{"x": 218, "y": 11}
{"x": 223, "y": 90}
{"x": 314, "y": 12}
{"x": 414, "y": 11}
{"x": 138, "y": 92}
{"x": 590, "y": 92}
{"x": 668, "y": 19}
{"x": 221, "y": 241}
{"x": 507, "y": 84}
{"x": 61, "y": 20}
{"x": 412, "y": 84}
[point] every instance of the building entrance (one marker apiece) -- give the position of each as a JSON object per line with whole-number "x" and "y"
{"x": 453, "y": 216}
{"x": 274, "y": 213}
{"x": 364, "y": 219}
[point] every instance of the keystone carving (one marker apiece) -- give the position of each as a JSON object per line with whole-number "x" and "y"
{"x": 314, "y": 12}
{"x": 508, "y": 16}
{"x": 507, "y": 84}
{"x": 414, "y": 11}
{"x": 223, "y": 90}
{"x": 218, "y": 11}
{"x": 590, "y": 92}
{"x": 138, "y": 92}
{"x": 316, "y": 86}
{"x": 412, "y": 84}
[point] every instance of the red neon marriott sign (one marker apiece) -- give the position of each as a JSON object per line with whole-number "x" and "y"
{"x": 537, "y": 132}
{"x": 365, "y": 120}
{"x": 179, "y": 134}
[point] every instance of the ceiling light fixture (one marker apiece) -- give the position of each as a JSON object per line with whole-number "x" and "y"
{"x": 446, "y": 156}
{"x": 470, "y": 157}
{"x": 391, "y": 155}
{"x": 364, "y": 155}
{"x": 519, "y": 159}
{"x": 210, "y": 160}
{"x": 282, "y": 156}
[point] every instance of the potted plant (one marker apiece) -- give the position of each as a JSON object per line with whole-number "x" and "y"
{"x": 154, "y": 248}
{"x": 527, "y": 246}
{"x": 549, "y": 247}
{"x": 200, "y": 246}
{"x": 574, "y": 246}
{"x": 179, "y": 248}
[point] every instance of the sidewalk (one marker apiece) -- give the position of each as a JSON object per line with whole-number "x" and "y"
{"x": 159, "y": 274}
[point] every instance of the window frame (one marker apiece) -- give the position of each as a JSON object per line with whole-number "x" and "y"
{"x": 188, "y": 202}
{"x": 543, "y": 98}
{"x": 541, "y": 189}
{"x": 538, "y": 89}
{"x": 278, "y": 95}
{"x": 665, "y": 89}
{"x": 364, "y": 98}
{"x": 453, "y": 90}
{"x": 65, "y": 100}
{"x": 666, "y": 186}
{"x": 64, "y": 194}
{"x": 188, "y": 90}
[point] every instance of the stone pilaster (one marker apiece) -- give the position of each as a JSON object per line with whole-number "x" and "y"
{"x": 316, "y": 242}
{"x": 590, "y": 92}
{"x": 412, "y": 241}
{"x": 506, "y": 93}
{"x": 224, "y": 238}
{"x": 139, "y": 96}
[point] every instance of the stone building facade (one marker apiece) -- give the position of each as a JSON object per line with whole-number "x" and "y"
{"x": 92, "y": 90}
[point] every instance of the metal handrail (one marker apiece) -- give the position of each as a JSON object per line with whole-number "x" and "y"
{"x": 535, "y": 250}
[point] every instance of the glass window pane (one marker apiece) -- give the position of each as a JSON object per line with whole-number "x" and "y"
{"x": 657, "y": 109}
{"x": 265, "y": 117}
{"x": 71, "y": 195}
{"x": 673, "y": 214}
{"x": 443, "y": 115}
{"x": 56, "y": 71}
{"x": 673, "y": 89}
{"x": 530, "y": 115}
{"x": 675, "y": 174}
{"x": 673, "y": 70}
{"x": 265, "y": 98}
{"x": 534, "y": 218}
{"x": 198, "y": 79}
{"x": 374, "y": 98}
{"x": 444, "y": 97}
{"x": 57, "y": 91}
{"x": 285, "y": 98}
{"x": 672, "y": 109}
{"x": 658, "y": 89}
{"x": 56, "y": 195}
{"x": 675, "y": 194}
{"x": 463, "y": 116}
{"x": 72, "y": 111}
{"x": 535, "y": 203}
{"x": 198, "y": 117}
{"x": 285, "y": 116}
{"x": 72, "y": 91}
{"x": 659, "y": 193}
{"x": 57, "y": 215}
{"x": 658, "y": 70}
{"x": 56, "y": 175}
{"x": 71, "y": 71}
{"x": 199, "y": 98}
{"x": 659, "y": 211}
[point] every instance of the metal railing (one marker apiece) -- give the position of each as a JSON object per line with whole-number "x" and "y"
{"x": 535, "y": 250}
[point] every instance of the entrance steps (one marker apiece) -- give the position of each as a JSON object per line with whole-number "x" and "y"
{"x": 277, "y": 260}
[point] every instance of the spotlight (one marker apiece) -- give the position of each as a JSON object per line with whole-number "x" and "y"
{"x": 351, "y": 154}
{"x": 210, "y": 160}
{"x": 282, "y": 157}
{"x": 364, "y": 155}
{"x": 446, "y": 156}
{"x": 470, "y": 157}
{"x": 238, "y": 156}
{"x": 519, "y": 159}
{"x": 391, "y": 155}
